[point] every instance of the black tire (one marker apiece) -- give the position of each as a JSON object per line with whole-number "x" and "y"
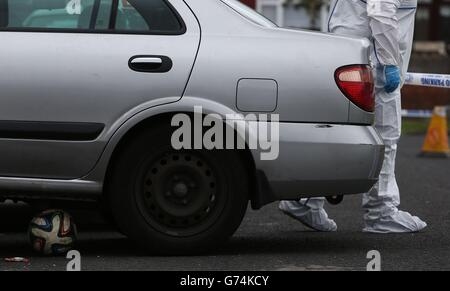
{"x": 176, "y": 202}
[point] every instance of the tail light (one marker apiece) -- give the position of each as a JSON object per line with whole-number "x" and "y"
{"x": 357, "y": 84}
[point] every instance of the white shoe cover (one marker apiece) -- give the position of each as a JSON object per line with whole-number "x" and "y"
{"x": 313, "y": 216}
{"x": 399, "y": 222}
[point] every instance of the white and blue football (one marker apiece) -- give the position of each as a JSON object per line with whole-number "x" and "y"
{"x": 53, "y": 232}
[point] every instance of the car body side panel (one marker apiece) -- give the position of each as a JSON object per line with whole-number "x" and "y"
{"x": 83, "y": 77}
{"x": 314, "y": 160}
{"x": 92, "y": 184}
{"x": 185, "y": 105}
{"x": 303, "y": 64}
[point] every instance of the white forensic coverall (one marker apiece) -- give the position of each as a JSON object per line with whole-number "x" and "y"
{"x": 389, "y": 24}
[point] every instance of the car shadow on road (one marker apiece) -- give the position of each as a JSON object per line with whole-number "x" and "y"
{"x": 109, "y": 244}
{"x": 98, "y": 238}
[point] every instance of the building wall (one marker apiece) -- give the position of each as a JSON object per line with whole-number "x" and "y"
{"x": 251, "y": 3}
{"x": 286, "y": 15}
{"x": 433, "y": 20}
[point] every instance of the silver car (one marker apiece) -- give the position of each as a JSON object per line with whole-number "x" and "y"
{"x": 88, "y": 89}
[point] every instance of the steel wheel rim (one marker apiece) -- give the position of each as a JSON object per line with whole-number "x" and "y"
{"x": 180, "y": 194}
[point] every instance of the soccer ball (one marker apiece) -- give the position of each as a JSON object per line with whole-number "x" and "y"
{"x": 53, "y": 232}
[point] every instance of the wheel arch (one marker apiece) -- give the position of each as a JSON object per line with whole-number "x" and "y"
{"x": 156, "y": 116}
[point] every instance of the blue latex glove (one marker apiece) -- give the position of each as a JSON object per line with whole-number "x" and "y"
{"x": 393, "y": 79}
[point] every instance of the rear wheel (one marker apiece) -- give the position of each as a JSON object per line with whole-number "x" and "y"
{"x": 172, "y": 201}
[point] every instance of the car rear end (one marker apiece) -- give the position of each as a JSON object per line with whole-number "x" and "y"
{"x": 327, "y": 145}
{"x": 320, "y": 158}
{"x": 321, "y": 88}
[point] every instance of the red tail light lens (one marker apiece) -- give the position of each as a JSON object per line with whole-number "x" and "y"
{"x": 357, "y": 84}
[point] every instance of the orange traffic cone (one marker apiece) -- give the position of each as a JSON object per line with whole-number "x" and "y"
{"x": 436, "y": 142}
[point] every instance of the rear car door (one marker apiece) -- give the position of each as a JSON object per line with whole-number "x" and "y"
{"x": 71, "y": 68}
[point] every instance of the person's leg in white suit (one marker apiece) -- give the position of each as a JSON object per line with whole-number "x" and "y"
{"x": 381, "y": 214}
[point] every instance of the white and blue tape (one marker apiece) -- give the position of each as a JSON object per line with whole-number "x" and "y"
{"x": 428, "y": 80}
{"x": 417, "y": 113}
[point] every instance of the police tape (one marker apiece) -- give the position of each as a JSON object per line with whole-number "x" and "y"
{"x": 428, "y": 80}
{"x": 417, "y": 113}
{"x": 425, "y": 80}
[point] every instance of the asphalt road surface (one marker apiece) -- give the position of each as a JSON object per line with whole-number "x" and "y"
{"x": 268, "y": 240}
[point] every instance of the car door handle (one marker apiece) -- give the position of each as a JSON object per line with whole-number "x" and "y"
{"x": 147, "y": 60}
{"x": 150, "y": 64}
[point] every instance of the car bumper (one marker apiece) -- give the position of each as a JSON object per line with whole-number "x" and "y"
{"x": 320, "y": 160}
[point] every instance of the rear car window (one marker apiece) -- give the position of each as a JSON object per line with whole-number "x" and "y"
{"x": 249, "y": 13}
{"x": 153, "y": 16}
